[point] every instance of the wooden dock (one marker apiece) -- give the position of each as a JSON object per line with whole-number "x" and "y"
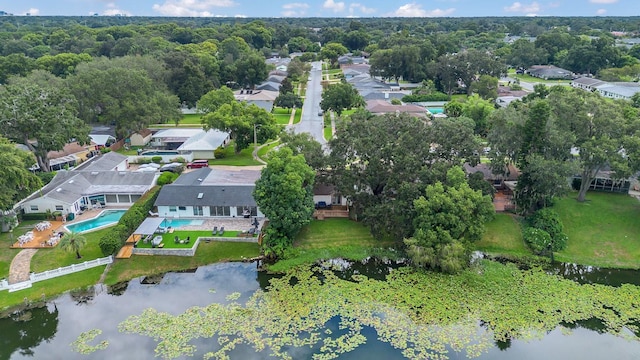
{"x": 127, "y": 250}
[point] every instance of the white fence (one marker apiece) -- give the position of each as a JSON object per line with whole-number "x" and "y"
{"x": 50, "y": 274}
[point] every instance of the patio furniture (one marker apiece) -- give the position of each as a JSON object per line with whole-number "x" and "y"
{"x": 156, "y": 241}
{"x": 187, "y": 240}
{"x": 221, "y": 232}
{"x": 251, "y": 231}
{"x": 176, "y": 239}
{"x": 153, "y": 214}
{"x": 215, "y": 231}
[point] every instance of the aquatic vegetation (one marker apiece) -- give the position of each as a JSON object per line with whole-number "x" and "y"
{"x": 424, "y": 315}
{"x": 81, "y": 344}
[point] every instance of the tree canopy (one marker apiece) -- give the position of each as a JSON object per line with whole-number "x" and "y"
{"x": 284, "y": 193}
{"x": 40, "y": 116}
{"x": 17, "y": 181}
{"x": 341, "y": 96}
{"x": 449, "y": 217}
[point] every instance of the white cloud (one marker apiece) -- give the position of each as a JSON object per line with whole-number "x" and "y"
{"x": 601, "y": 11}
{"x": 294, "y": 9}
{"x": 32, "y": 12}
{"x": 416, "y": 10}
{"x": 529, "y": 9}
{"x": 191, "y": 7}
{"x": 332, "y": 5}
{"x": 603, "y": 2}
{"x": 363, "y": 9}
{"x": 114, "y": 11}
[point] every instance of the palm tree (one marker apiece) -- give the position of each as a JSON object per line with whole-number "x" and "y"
{"x": 73, "y": 242}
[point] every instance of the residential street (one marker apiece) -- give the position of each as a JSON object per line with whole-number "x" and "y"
{"x": 311, "y": 122}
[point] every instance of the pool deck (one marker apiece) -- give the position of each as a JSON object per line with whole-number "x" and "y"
{"x": 40, "y": 238}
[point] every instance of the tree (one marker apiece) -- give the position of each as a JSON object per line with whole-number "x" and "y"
{"x": 73, "y": 242}
{"x": 600, "y": 128}
{"x": 40, "y": 116}
{"x": 214, "y": 99}
{"x": 286, "y": 86}
{"x": 478, "y": 109}
{"x": 339, "y": 97}
{"x": 486, "y": 87}
{"x": 449, "y": 218}
{"x": 251, "y": 69}
{"x": 284, "y": 193}
{"x": 332, "y": 51}
{"x": 288, "y": 101}
{"x": 128, "y": 98}
{"x": 239, "y": 119}
{"x": 305, "y": 144}
{"x": 17, "y": 181}
{"x": 62, "y": 64}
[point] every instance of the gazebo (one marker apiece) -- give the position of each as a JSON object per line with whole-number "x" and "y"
{"x": 148, "y": 227}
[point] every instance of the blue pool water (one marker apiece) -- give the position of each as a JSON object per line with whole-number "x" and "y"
{"x": 104, "y": 219}
{"x": 436, "y": 110}
{"x": 176, "y": 223}
{"x": 158, "y": 152}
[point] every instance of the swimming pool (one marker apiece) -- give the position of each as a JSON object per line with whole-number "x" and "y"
{"x": 176, "y": 223}
{"x": 158, "y": 152}
{"x": 104, "y": 219}
{"x": 436, "y": 110}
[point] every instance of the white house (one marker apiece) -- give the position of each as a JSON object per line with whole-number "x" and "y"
{"x": 327, "y": 194}
{"x": 210, "y": 193}
{"x": 197, "y": 142}
{"x": 111, "y": 161}
{"x": 140, "y": 138}
{"x": 262, "y": 98}
{"x": 73, "y": 191}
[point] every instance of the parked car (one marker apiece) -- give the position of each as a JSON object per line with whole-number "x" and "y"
{"x": 196, "y": 164}
{"x": 172, "y": 167}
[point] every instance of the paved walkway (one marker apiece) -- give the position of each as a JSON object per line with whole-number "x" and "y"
{"x": 21, "y": 266}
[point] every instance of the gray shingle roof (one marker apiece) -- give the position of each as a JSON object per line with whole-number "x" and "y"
{"x": 105, "y": 162}
{"x": 212, "y": 195}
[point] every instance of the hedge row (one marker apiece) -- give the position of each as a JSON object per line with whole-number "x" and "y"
{"x": 34, "y": 216}
{"x": 435, "y": 96}
{"x": 113, "y": 240}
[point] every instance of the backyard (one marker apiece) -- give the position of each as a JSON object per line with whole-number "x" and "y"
{"x": 603, "y": 231}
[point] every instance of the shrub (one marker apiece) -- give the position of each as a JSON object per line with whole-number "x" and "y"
{"x": 549, "y": 221}
{"x": 434, "y": 96}
{"x": 167, "y": 177}
{"x": 538, "y": 240}
{"x": 157, "y": 159}
{"x": 113, "y": 240}
{"x": 34, "y": 216}
{"x": 46, "y": 177}
{"x": 144, "y": 160}
{"x": 179, "y": 159}
{"x": 104, "y": 150}
{"x": 219, "y": 153}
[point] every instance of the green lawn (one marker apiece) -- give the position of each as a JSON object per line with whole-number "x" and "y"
{"x": 331, "y": 238}
{"x": 191, "y": 119}
{"x": 328, "y": 133}
{"x": 263, "y": 152}
{"x": 207, "y": 253}
{"x": 297, "y": 116}
{"x": 503, "y": 235}
{"x": 602, "y": 231}
{"x": 282, "y": 115}
{"x": 529, "y": 78}
{"x": 168, "y": 239}
{"x": 52, "y": 287}
{"x": 244, "y": 158}
{"x": 49, "y": 259}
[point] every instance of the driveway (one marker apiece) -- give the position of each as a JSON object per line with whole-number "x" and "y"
{"x": 311, "y": 122}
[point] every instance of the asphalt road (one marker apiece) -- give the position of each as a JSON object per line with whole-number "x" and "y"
{"x": 311, "y": 122}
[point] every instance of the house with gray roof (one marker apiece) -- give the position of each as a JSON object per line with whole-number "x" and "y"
{"x": 261, "y": 98}
{"x": 379, "y": 107}
{"x": 613, "y": 90}
{"x": 195, "y": 142}
{"x": 74, "y": 191}
{"x": 549, "y": 72}
{"x": 269, "y": 85}
{"x": 111, "y": 161}
{"x": 210, "y": 193}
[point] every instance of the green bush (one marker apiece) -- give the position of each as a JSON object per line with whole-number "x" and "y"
{"x": 167, "y": 177}
{"x": 179, "y": 159}
{"x": 144, "y": 160}
{"x": 46, "y": 177}
{"x": 538, "y": 240}
{"x": 34, "y": 216}
{"x": 219, "y": 153}
{"x": 157, "y": 159}
{"x": 104, "y": 150}
{"x": 118, "y": 235}
{"x": 548, "y": 221}
{"x": 434, "y": 96}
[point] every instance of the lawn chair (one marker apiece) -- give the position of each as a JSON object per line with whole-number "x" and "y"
{"x": 221, "y": 232}
{"x": 187, "y": 240}
{"x": 215, "y": 231}
{"x": 176, "y": 239}
{"x": 251, "y": 231}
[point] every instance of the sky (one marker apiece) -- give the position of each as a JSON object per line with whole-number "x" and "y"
{"x": 323, "y": 8}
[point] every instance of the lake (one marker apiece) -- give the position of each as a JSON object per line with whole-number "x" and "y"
{"x": 47, "y": 332}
